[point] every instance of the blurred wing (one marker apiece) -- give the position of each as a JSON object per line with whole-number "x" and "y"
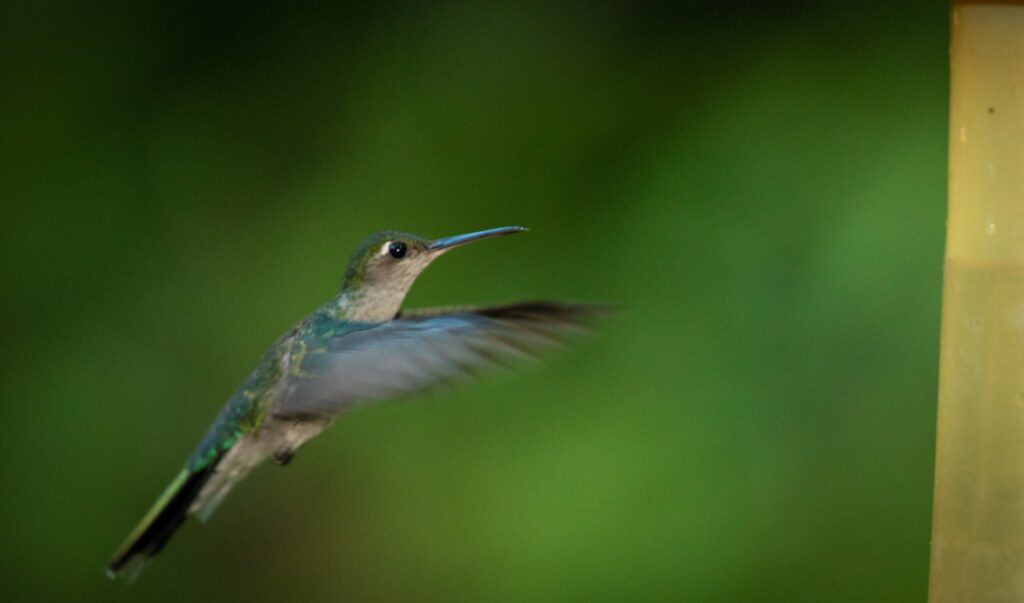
{"x": 422, "y": 349}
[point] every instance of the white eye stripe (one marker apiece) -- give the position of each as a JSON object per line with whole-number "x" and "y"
{"x": 384, "y": 248}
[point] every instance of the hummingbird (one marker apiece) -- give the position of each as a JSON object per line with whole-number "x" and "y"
{"x": 358, "y": 347}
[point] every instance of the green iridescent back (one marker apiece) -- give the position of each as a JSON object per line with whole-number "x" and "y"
{"x": 248, "y": 406}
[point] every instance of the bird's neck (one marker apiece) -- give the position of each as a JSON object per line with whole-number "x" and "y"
{"x": 365, "y": 304}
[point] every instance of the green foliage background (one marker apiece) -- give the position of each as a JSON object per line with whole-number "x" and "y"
{"x": 762, "y": 186}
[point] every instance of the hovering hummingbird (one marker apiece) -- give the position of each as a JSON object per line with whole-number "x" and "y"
{"x": 356, "y": 348}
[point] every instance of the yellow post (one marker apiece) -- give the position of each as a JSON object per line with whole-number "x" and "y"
{"x": 978, "y": 520}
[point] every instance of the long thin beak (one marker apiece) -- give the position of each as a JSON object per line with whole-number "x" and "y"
{"x": 449, "y": 242}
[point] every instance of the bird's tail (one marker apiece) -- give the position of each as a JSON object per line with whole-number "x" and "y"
{"x": 159, "y": 524}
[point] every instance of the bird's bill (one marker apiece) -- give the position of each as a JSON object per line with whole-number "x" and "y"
{"x": 457, "y": 240}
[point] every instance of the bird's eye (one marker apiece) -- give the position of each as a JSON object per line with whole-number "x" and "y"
{"x": 397, "y": 249}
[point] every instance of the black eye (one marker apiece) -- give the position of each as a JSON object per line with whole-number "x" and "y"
{"x": 397, "y": 249}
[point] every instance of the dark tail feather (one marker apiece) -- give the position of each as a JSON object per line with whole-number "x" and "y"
{"x": 159, "y": 524}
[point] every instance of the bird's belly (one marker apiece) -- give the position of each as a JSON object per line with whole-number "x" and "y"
{"x": 278, "y": 438}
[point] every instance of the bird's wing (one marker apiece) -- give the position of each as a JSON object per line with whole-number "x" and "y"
{"x": 422, "y": 349}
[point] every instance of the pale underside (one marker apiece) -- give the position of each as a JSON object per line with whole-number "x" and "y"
{"x": 275, "y": 438}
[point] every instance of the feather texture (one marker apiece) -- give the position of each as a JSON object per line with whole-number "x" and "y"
{"x": 421, "y": 350}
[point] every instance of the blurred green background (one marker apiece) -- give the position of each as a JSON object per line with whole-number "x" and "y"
{"x": 762, "y": 185}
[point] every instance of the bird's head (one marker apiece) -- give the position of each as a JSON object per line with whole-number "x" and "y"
{"x": 384, "y": 267}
